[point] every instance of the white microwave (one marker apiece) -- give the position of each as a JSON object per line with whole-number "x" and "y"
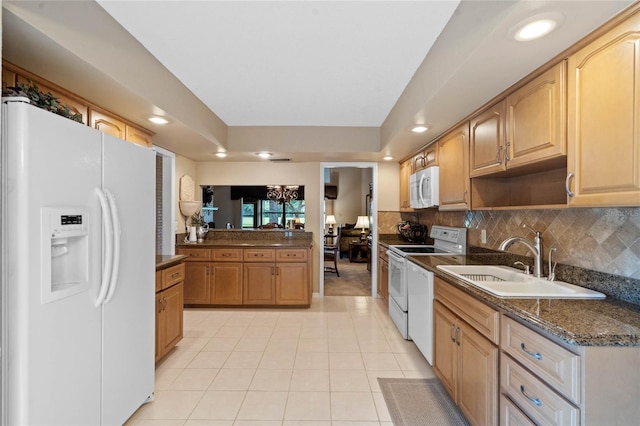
{"x": 425, "y": 188}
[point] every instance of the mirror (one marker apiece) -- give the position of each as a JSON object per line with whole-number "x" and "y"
{"x": 249, "y": 207}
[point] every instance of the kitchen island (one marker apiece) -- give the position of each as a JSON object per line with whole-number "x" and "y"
{"x": 268, "y": 268}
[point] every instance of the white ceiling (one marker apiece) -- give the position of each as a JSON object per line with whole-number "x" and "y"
{"x": 274, "y": 63}
{"x": 306, "y": 80}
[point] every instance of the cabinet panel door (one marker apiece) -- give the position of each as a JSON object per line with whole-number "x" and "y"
{"x": 445, "y": 351}
{"x": 477, "y": 377}
{"x": 196, "y": 283}
{"x": 453, "y": 157}
{"x": 603, "y": 116}
{"x": 258, "y": 284}
{"x": 226, "y": 283}
{"x": 173, "y": 303}
{"x": 536, "y": 119}
{"x": 107, "y": 124}
{"x": 159, "y": 327}
{"x": 292, "y": 284}
{"x": 137, "y": 136}
{"x": 488, "y": 141}
{"x": 405, "y": 194}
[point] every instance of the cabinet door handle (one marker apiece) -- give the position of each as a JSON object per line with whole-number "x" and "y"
{"x": 451, "y": 333}
{"x": 507, "y": 157}
{"x": 277, "y": 270}
{"x": 536, "y": 355}
{"x": 498, "y": 159}
{"x": 273, "y": 272}
{"x": 159, "y": 306}
{"x": 567, "y": 183}
{"x": 458, "y": 336}
{"x": 532, "y": 399}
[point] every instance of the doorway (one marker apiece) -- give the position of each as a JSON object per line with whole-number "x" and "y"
{"x": 366, "y": 205}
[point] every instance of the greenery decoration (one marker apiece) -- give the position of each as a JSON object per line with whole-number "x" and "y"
{"x": 197, "y": 219}
{"x": 42, "y": 100}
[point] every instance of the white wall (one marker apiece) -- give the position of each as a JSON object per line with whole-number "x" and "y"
{"x": 388, "y": 187}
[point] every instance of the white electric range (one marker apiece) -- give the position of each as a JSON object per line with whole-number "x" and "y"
{"x": 411, "y": 287}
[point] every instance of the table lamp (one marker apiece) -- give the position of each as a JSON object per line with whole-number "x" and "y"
{"x": 331, "y": 220}
{"x": 362, "y": 223}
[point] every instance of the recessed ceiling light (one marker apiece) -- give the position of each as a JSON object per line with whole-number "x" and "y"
{"x": 264, "y": 154}
{"x": 536, "y": 26}
{"x": 419, "y": 129}
{"x": 387, "y": 158}
{"x": 221, "y": 154}
{"x": 158, "y": 120}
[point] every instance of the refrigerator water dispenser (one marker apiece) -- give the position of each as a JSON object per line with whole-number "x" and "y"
{"x": 65, "y": 252}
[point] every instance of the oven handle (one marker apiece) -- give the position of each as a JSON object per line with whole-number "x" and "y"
{"x": 395, "y": 257}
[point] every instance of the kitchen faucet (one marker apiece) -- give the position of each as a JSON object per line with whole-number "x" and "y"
{"x": 535, "y": 248}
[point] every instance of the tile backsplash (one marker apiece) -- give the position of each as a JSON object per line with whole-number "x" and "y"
{"x": 600, "y": 239}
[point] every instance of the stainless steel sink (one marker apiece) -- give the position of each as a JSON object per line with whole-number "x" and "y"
{"x": 503, "y": 281}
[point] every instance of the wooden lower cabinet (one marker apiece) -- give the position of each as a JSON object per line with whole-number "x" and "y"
{"x": 197, "y": 283}
{"x": 225, "y": 283}
{"x": 247, "y": 276}
{"x": 383, "y": 274}
{"x": 290, "y": 279}
{"x": 259, "y": 284}
{"x": 169, "y": 309}
{"x": 466, "y": 362}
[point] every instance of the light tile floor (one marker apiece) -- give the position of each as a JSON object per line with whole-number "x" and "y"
{"x": 307, "y": 367}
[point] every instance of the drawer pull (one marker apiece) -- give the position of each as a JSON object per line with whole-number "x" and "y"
{"x": 534, "y": 400}
{"x": 195, "y": 254}
{"x": 536, "y": 355}
{"x": 176, "y": 275}
{"x": 226, "y": 254}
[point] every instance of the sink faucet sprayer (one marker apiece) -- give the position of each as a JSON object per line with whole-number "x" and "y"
{"x": 535, "y": 248}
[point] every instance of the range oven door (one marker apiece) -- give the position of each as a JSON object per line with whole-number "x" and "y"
{"x": 398, "y": 280}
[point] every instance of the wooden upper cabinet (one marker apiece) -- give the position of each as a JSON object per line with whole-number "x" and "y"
{"x": 100, "y": 119}
{"x": 107, "y": 123}
{"x": 427, "y": 158}
{"x": 137, "y": 136}
{"x": 405, "y": 177}
{"x": 453, "y": 157}
{"x": 603, "y": 115}
{"x": 536, "y": 124}
{"x": 488, "y": 138}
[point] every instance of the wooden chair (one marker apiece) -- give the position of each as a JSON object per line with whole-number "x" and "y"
{"x": 331, "y": 253}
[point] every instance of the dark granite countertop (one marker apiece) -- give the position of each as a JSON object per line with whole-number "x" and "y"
{"x": 608, "y": 322}
{"x": 164, "y": 261}
{"x": 276, "y": 238}
{"x": 249, "y": 243}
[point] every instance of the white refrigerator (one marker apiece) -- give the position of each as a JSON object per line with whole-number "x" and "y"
{"x": 78, "y": 262}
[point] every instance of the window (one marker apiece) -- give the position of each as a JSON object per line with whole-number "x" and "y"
{"x": 261, "y": 212}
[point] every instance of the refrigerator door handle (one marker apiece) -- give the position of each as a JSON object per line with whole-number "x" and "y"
{"x": 117, "y": 230}
{"x": 108, "y": 245}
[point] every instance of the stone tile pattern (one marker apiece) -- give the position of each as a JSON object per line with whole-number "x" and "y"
{"x": 602, "y": 239}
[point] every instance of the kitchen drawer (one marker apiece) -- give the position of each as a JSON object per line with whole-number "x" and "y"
{"x": 548, "y": 360}
{"x": 259, "y": 255}
{"x": 158, "y": 281}
{"x": 534, "y": 397}
{"x": 226, "y": 255}
{"x": 291, "y": 255}
{"x": 511, "y": 415}
{"x": 480, "y": 316}
{"x": 172, "y": 275}
{"x": 195, "y": 254}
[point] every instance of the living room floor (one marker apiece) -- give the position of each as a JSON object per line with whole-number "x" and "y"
{"x": 315, "y": 366}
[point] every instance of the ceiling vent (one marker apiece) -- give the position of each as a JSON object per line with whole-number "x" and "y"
{"x": 280, "y": 160}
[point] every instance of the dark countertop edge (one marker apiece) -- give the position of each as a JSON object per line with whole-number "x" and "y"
{"x": 164, "y": 261}
{"x": 505, "y": 305}
{"x": 247, "y": 244}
